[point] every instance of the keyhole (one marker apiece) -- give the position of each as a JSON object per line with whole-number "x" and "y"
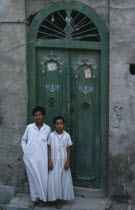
{"x": 72, "y": 109}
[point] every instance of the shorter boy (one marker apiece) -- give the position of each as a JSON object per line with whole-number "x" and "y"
{"x": 60, "y": 185}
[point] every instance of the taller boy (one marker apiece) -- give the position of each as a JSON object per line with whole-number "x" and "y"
{"x": 34, "y": 145}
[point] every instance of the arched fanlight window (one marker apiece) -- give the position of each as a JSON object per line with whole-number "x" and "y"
{"x": 68, "y": 24}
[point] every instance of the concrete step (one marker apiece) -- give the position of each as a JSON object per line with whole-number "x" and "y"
{"x": 6, "y": 194}
{"x": 88, "y": 192}
{"x": 21, "y": 201}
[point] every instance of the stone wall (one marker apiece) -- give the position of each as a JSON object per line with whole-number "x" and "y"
{"x": 13, "y": 91}
{"x": 119, "y": 17}
{"x": 122, "y": 97}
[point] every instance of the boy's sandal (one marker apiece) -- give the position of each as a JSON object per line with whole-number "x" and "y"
{"x": 59, "y": 205}
{"x": 43, "y": 204}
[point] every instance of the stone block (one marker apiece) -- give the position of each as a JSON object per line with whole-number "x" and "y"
{"x": 88, "y": 192}
{"x": 6, "y": 194}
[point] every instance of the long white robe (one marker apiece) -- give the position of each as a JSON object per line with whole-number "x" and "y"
{"x": 34, "y": 145}
{"x": 60, "y": 184}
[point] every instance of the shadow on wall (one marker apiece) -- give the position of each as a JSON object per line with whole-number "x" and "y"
{"x": 31, "y": 17}
{"x": 120, "y": 177}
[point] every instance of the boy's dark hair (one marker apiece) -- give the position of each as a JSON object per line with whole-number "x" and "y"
{"x": 39, "y": 109}
{"x": 58, "y": 118}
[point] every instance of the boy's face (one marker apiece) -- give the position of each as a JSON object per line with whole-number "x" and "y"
{"x": 38, "y": 117}
{"x": 59, "y": 125}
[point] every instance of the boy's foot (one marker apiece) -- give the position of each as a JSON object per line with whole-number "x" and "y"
{"x": 59, "y": 204}
{"x": 32, "y": 204}
{"x": 43, "y": 204}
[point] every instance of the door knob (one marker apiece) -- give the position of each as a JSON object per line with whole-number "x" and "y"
{"x": 52, "y": 100}
{"x": 86, "y": 105}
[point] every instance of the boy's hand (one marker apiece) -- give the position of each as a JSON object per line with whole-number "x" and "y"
{"x": 50, "y": 165}
{"x": 67, "y": 165}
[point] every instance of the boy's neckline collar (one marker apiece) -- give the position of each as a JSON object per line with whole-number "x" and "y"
{"x": 61, "y": 133}
{"x": 42, "y": 128}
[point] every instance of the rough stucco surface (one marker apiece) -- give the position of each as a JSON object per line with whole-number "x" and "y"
{"x": 13, "y": 92}
{"x": 119, "y": 17}
{"x": 122, "y": 98}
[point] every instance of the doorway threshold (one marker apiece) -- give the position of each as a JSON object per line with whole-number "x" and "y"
{"x": 89, "y": 192}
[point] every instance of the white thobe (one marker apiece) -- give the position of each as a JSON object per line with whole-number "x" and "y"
{"x": 60, "y": 184}
{"x": 34, "y": 145}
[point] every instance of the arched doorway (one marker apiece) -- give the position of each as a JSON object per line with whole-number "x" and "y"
{"x": 68, "y": 74}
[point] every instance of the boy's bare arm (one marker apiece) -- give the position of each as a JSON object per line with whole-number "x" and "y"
{"x": 50, "y": 164}
{"x": 67, "y": 164}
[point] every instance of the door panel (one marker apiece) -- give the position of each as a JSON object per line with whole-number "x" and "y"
{"x": 52, "y": 82}
{"x": 85, "y": 90}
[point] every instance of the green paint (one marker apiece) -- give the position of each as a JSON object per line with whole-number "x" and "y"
{"x": 86, "y": 114}
{"x": 84, "y": 110}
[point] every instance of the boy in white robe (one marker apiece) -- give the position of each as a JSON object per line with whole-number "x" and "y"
{"x": 60, "y": 185}
{"x": 35, "y": 149}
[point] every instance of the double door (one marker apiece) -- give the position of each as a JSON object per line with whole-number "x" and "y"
{"x": 68, "y": 84}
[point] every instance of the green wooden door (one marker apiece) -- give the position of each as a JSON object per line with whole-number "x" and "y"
{"x": 85, "y": 116}
{"x": 68, "y": 84}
